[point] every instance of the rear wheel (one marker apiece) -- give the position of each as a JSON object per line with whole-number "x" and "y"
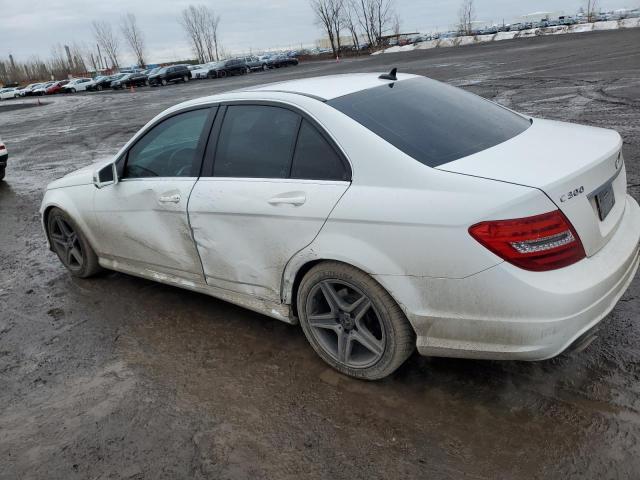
{"x": 185, "y": 79}
{"x": 353, "y": 323}
{"x": 70, "y": 245}
{"x": 99, "y": 88}
{"x": 164, "y": 82}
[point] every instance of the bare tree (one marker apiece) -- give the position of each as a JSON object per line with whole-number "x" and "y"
{"x": 201, "y": 25}
{"x": 109, "y": 42}
{"x": 466, "y": 17}
{"x": 591, "y": 7}
{"x": 133, "y": 36}
{"x": 376, "y": 18}
{"x": 350, "y": 21}
{"x": 329, "y": 14}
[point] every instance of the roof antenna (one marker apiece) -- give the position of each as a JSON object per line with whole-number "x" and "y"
{"x": 389, "y": 76}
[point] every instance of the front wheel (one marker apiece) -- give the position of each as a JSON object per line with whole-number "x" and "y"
{"x": 164, "y": 82}
{"x": 73, "y": 90}
{"x": 71, "y": 246}
{"x": 353, "y": 323}
{"x": 99, "y": 88}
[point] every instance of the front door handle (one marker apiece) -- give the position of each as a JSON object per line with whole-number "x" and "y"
{"x": 170, "y": 198}
{"x": 296, "y": 199}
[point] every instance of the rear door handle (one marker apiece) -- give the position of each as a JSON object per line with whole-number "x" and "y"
{"x": 170, "y": 198}
{"x": 285, "y": 199}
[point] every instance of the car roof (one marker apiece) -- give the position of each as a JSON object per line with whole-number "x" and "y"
{"x": 330, "y": 86}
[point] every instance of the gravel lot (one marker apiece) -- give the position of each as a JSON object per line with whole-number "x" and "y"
{"x": 118, "y": 377}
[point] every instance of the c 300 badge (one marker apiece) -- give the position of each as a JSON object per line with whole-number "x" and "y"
{"x": 572, "y": 194}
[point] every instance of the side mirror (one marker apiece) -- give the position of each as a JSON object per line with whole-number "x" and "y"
{"x": 107, "y": 175}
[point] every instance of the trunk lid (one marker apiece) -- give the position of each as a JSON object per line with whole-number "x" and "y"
{"x": 579, "y": 168}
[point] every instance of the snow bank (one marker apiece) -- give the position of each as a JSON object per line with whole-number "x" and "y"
{"x": 534, "y": 32}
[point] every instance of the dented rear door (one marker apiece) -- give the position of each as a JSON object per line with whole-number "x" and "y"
{"x": 246, "y": 230}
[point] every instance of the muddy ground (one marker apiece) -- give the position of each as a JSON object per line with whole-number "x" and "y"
{"x": 118, "y": 377}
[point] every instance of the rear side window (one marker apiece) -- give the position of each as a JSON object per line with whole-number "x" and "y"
{"x": 314, "y": 158}
{"x": 431, "y": 121}
{"x": 256, "y": 141}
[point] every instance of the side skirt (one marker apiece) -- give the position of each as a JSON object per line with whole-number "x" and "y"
{"x": 275, "y": 310}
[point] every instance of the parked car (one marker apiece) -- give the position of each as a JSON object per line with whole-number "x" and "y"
{"x": 9, "y": 93}
{"x": 28, "y": 90}
{"x": 101, "y": 82}
{"x": 41, "y": 89}
{"x": 4, "y": 156}
{"x": 77, "y": 85}
{"x": 477, "y": 256}
{"x": 166, "y": 75}
{"x": 235, "y": 66}
{"x": 210, "y": 70}
{"x": 278, "y": 61}
{"x": 254, "y": 63}
{"x": 130, "y": 79}
{"x": 56, "y": 87}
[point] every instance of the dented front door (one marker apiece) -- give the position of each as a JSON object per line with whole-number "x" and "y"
{"x": 246, "y": 230}
{"x": 143, "y": 224}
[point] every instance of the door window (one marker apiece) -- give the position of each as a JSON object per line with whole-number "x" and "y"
{"x": 170, "y": 149}
{"x": 314, "y": 158}
{"x": 256, "y": 141}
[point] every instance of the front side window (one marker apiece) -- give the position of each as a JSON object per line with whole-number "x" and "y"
{"x": 170, "y": 149}
{"x": 430, "y": 121}
{"x": 256, "y": 142}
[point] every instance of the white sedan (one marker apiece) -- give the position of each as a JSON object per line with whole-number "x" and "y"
{"x": 380, "y": 213}
{"x": 77, "y": 85}
{"x": 9, "y": 93}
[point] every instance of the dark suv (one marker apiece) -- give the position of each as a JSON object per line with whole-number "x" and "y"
{"x": 130, "y": 79}
{"x": 236, "y": 66}
{"x": 174, "y": 73}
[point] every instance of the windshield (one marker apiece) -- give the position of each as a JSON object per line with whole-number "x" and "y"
{"x": 431, "y": 121}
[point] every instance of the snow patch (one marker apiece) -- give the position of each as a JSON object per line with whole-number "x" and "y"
{"x": 534, "y": 32}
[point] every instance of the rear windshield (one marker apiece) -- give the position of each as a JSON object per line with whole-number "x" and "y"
{"x": 430, "y": 121}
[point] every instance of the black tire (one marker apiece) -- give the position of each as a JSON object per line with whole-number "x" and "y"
{"x": 185, "y": 79}
{"x": 222, "y": 74}
{"x": 88, "y": 266}
{"x": 264, "y": 67}
{"x": 163, "y": 82}
{"x": 3, "y": 171}
{"x": 397, "y": 338}
{"x": 99, "y": 88}
{"x": 146, "y": 83}
{"x": 73, "y": 90}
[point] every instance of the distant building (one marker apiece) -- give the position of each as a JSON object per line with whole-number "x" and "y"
{"x": 324, "y": 43}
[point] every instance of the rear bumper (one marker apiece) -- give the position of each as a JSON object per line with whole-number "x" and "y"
{"x": 509, "y": 313}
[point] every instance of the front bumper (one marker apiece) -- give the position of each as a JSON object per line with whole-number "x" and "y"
{"x": 509, "y": 313}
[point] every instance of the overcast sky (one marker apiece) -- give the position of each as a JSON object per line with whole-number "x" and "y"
{"x": 29, "y": 28}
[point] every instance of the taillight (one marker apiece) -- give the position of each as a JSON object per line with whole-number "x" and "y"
{"x": 539, "y": 243}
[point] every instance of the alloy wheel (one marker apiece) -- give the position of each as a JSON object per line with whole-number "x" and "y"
{"x": 345, "y": 323}
{"x": 66, "y": 243}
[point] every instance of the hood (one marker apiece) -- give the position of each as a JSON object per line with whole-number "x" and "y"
{"x": 82, "y": 176}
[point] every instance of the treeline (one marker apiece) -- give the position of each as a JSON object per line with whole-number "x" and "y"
{"x": 199, "y": 22}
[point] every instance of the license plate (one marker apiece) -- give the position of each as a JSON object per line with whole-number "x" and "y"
{"x": 605, "y": 200}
